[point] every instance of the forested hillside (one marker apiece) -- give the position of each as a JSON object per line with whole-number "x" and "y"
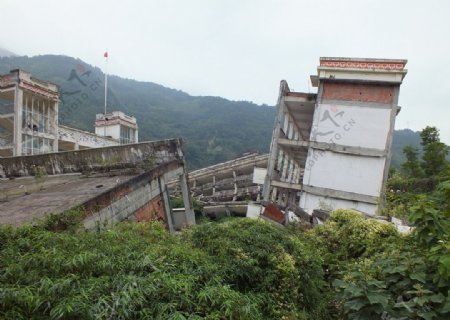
{"x": 214, "y": 129}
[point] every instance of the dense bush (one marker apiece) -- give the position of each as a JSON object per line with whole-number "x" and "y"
{"x": 259, "y": 259}
{"x": 347, "y": 236}
{"x": 410, "y": 278}
{"x": 234, "y": 270}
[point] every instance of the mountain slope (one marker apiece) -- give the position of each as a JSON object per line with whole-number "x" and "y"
{"x": 6, "y": 53}
{"x": 213, "y": 129}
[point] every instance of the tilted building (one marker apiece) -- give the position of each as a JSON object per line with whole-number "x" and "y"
{"x": 332, "y": 149}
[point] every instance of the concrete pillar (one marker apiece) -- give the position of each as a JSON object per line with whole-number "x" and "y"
{"x": 214, "y": 185}
{"x": 290, "y": 174}
{"x": 274, "y": 144}
{"x": 291, "y": 128}
{"x": 17, "y": 134}
{"x": 295, "y": 175}
{"x": 280, "y": 160}
{"x": 286, "y": 123}
{"x": 284, "y": 172}
{"x": 235, "y": 186}
{"x": 55, "y": 126}
{"x": 274, "y": 194}
{"x": 167, "y": 206}
{"x": 190, "y": 215}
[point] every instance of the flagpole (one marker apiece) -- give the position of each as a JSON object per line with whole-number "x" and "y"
{"x": 106, "y": 88}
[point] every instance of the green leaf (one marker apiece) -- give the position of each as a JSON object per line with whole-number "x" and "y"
{"x": 428, "y": 315}
{"x": 380, "y": 298}
{"x": 419, "y": 276}
{"x": 355, "y": 304}
{"x": 437, "y": 298}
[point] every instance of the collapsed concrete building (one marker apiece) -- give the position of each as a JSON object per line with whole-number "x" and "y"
{"x": 229, "y": 181}
{"x": 329, "y": 150}
{"x": 106, "y": 185}
{"x": 332, "y": 149}
{"x": 48, "y": 168}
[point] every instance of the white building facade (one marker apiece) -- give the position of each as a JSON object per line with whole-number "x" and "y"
{"x": 332, "y": 149}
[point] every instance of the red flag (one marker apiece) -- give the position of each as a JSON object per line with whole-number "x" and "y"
{"x": 105, "y": 54}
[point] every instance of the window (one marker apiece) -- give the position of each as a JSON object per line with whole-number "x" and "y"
{"x": 36, "y": 114}
{"x": 126, "y": 135}
{"x": 35, "y": 145}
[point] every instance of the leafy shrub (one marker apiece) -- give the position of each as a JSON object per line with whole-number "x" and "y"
{"x": 139, "y": 271}
{"x": 347, "y": 236}
{"x": 259, "y": 259}
{"x": 410, "y": 279}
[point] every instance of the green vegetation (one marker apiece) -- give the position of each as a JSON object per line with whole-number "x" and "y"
{"x": 347, "y": 268}
{"x": 239, "y": 269}
{"x": 410, "y": 277}
{"x": 404, "y": 277}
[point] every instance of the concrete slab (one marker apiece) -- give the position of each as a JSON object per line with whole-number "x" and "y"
{"x": 26, "y": 199}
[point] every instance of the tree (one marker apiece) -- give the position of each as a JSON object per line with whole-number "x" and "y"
{"x": 411, "y": 167}
{"x": 435, "y": 152}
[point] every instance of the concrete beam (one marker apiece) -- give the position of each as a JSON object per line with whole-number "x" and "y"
{"x": 360, "y": 151}
{"x": 339, "y": 194}
{"x": 286, "y": 185}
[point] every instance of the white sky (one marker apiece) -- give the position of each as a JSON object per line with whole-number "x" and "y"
{"x": 241, "y": 49}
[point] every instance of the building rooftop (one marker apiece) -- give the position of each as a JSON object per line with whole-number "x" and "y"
{"x": 115, "y": 181}
{"x": 28, "y": 198}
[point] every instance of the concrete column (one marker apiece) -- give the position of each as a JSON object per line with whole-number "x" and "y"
{"x": 214, "y": 185}
{"x": 286, "y": 123}
{"x": 167, "y": 206}
{"x": 295, "y": 177}
{"x": 280, "y": 160}
{"x": 55, "y": 126}
{"x": 190, "y": 215}
{"x": 274, "y": 194}
{"x": 274, "y": 144}
{"x": 18, "y": 108}
{"x": 235, "y": 186}
{"x": 290, "y": 176}
{"x": 284, "y": 172}
{"x": 291, "y": 128}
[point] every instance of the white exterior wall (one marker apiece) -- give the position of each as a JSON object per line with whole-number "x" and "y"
{"x": 352, "y": 126}
{"x": 309, "y": 202}
{"x": 83, "y": 138}
{"x": 111, "y": 131}
{"x": 345, "y": 172}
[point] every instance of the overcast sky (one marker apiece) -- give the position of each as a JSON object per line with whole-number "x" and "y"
{"x": 241, "y": 49}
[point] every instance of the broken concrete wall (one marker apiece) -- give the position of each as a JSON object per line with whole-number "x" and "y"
{"x": 123, "y": 182}
{"x": 146, "y": 155}
{"x": 143, "y": 198}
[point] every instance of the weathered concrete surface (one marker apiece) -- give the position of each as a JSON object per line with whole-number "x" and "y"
{"x": 26, "y": 199}
{"x": 332, "y": 150}
{"x": 129, "y": 182}
{"x": 146, "y": 155}
{"x": 74, "y": 139}
{"x": 228, "y": 181}
{"x": 137, "y": 197}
